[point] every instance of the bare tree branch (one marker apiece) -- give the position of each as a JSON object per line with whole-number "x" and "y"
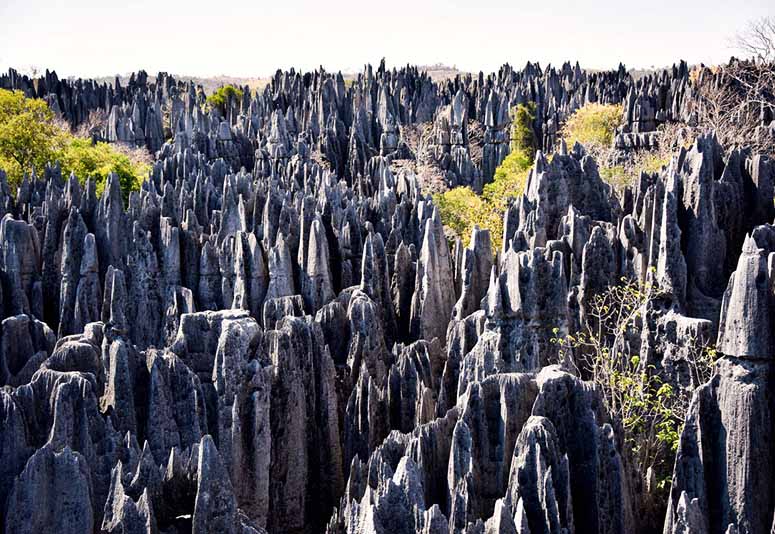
{"x": 757, "y": 40}
{"x": 737, "y": 100}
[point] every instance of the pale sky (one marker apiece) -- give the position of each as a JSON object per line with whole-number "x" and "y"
{"x": 255, "y": 37}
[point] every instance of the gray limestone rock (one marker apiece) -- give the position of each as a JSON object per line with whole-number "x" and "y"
{"x": 720, "y": 470}
{"x": 88, "y": 294}
{"x": 434, "y": 293}
{"x": 53, "y": 493}
{"x": 539, "y": 478}
{"x": 124, "y": 514}
{"x": 317, "y": 287}
{"x": 746, "y": 323}
{"x": 24, "y": 343}
{"x": 375, "y": 283}
{"x": 13, "y": 444}
{"x": 276, "y": 317}
{"x": 215, "y": 508}
{"x": 475, "y": 275}
{"x": 281, "y": 282}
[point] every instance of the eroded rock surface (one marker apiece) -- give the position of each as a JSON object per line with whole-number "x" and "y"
{"x": 274, "y": 333}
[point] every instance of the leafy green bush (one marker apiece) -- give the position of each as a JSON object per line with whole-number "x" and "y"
{"x": 593, "y": 124}
{"x": 461, "y": 209}
{"x": 30, "y": 137}
{"x": 508, "y": 183}
{"x": 652, "y": 162}
{"x": 98, "y": 160}
{"x": 223, "y": 96}
{"x": 510, "y": 177}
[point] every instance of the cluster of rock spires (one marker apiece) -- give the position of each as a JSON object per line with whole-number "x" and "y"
{"x": 296, "y": 348}
{"x": 347, "y": 124}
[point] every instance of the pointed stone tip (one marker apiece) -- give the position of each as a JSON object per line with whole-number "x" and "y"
{"x": 113, "y": 186}
{"x": 207, "y": 444}
{"x": 750, "y": 247}
{"x": 436, "y": 216}
{"x": 539, "y": 163}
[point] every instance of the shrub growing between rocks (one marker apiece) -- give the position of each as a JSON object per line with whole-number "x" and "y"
{"x": 593, "y": 125}
{"x": 30, "y": 137}
{"x": 98, "y": 160}
{"x": 523, "y": 137}
{"x": 648, "y": 408}
{"x": 461, "y": 209}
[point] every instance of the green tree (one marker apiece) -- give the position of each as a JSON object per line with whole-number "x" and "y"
{"x": 623, "y": 175}
{"x": 460, "y": 209}
{"x": 222, "y": 96}
{"x": 28, "y": 136}
{"x": 509, "y": 179}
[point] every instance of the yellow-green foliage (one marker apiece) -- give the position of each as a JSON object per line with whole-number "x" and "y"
{"x": 652, "y": 162}
{"x": 98, "y": 160}
{"x": 523, "y": 137}
{"x": 508, "y": 182}
{"x": 29, "y": 138}
{"x": 510, "y": 173}
{"x": 222, "y": 96}
{"x": 593, "y": 124}
{"x": 620, "y": 176}
{"x": 28, "y": 135}
{"x": 461, "y": 209}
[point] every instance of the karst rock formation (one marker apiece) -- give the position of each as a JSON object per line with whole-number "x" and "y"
{"x": 275, "y": 335}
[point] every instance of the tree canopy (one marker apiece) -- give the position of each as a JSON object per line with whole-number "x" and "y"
{"x": 30, "y": 137}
